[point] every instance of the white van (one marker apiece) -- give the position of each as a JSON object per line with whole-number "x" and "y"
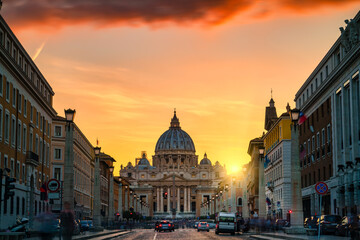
{"x": 226, "y": 223}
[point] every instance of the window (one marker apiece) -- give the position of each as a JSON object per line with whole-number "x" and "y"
{"x": 328, "y": 134}
{"x": 313, "y": 143}
{"x": 326, "y": 71}
{"x": 57, "y": 153}
{"x": 1, "y": 122}
{"x": 23, "y": 207}
{"x": 37, "y": 119}
{"x": 24, "y": 138}
{"x": 19, "y": 102}
{"x": 193, "y": 175}
{"x": 12, "y": 167}
{"x": 321, "y": 77}
{"x": 19, "y": 135}
{"x": 58, "y": 131}
{"x": 36, "y": 144}
{"x": 31, "y": 140}
{"x": 1, "y": 85}
{"x": 31, "y": 113}
{"x": 23, "y": 176}
{"x": 6, "y": 164}
{"x": 142, "y": 175}
{"x": 239, "y": 201}
{"x": 25, "y": 107}
{"x": 14, "y": 97}
{"x": 318, "y": 140}
{"x": 57, "y": 173}
{"x": 17, "y": 205}
{"x": 323, "y": 136}
{"x": 204, "y": 175}
{"x": 7, "y": 91}
{"x": 217, "y": 174}
{"x": 13, "y": 130}
{"x": 18, "y": 170}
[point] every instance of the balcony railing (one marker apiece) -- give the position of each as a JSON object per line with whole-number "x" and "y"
{"x": 32, "y": 158}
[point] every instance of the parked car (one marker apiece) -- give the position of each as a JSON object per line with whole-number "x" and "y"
{"x": 90, "y": 223}
{"x": 166, "y": 226}
{"x": 311, "y": 222}
{"x": 328, "y": 223}
{"x": 84, "y": 225}
{"x": 348, "y": 225}
{"x": 226, "y": 223}
{"x": 280, "y": 224}
{"x": 211, "y": 223}
{"x": 203, "y": 226}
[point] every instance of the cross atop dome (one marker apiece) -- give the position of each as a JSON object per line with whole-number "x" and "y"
{"x": 175, "y": 123}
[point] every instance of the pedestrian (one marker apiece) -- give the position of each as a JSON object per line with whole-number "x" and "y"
{"x": 46, "y": 225}
{"x": 67, "y": 222}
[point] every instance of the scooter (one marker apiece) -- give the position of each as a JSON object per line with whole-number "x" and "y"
{"x": 19, "y": 226}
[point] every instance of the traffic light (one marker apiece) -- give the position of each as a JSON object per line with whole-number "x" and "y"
{"x": 9, "y": 187}
{"x": 43, "y": 193}
{"x": 290, "y": 211}
{"x": 165, "y": 195}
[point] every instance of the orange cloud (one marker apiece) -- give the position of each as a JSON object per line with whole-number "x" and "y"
{"x": 109, "y": 13}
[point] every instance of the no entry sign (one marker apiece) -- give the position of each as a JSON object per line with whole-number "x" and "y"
{"x": 321, "y": 188}
{"x": 53, "y": 185}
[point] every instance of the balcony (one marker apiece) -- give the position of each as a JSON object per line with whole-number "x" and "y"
{"x": 32, "y": 158}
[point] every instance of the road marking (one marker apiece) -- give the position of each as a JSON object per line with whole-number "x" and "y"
{"x": 155, "y": 236}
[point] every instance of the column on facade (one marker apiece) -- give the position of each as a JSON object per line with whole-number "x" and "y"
{"x": 161, "y": 200}
{"x": 120, "y": 205}
{"x": 185, "y": 199}
{"x": 312, "y": 204}
{"x": 178, "y": 199}
{"x": 189, "y": 199}
{"x": 157, "y": 199}
{"x": 210, "y": 203}
{"x": 168, "y": 200}
{"x": 357, "y": 187}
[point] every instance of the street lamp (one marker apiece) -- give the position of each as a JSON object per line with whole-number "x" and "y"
{"x": 262, "y": 202}
{"x": 97, "y": 201}
{"x": 69, "y": 159}
{"x": 111, "y": 196}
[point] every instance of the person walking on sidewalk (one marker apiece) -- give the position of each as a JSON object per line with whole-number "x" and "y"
{"x": 67, "y": 222}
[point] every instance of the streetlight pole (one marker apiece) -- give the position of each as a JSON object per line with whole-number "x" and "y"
{"x": 262, "y": 206}
{"x": 296, "y": 217}
{"x": 97, "y": 203}
{"x": 111, "y": 197}
{"x": 233, "y": 194}
{"x": 69, "y": 159}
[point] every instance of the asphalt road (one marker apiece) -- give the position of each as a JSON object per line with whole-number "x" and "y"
{"x": 183, "y": 234}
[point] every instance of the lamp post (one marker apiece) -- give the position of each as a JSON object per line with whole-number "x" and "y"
{"x": 111, "y": 197}
{"x": 97, "y": 185}
{"x": 296, "y": 217}
{"x": 262, "y": 202}
{"x": 245, "y": 206}
{"x": 120, "y": 205}
{"x": 233, "y": 194}
{"x": 69, "y": 159}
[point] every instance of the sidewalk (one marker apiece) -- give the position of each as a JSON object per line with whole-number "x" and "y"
{"x": 106, "y": 234}
{"x": 280, "y": 235}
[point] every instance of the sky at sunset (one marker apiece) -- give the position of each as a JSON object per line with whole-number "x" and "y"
{"x": 125, "y": 65}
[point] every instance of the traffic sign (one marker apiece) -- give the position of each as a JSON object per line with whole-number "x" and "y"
{"x": 53, "y": 185}
{"x": 321, "y": 188}
{"x": 54, "y": 195}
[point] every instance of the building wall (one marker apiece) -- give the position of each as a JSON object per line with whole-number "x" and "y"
{"x": 25, "y": 118}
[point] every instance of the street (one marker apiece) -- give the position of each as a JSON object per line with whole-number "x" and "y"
{"x": 183, "y": 234}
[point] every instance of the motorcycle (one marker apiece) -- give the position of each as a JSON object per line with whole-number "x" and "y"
{"x": 19, "y": 226}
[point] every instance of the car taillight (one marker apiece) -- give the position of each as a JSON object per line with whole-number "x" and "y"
{"x": 199, "y": 225}
{"x": 217, "y": 225}
{"x": 169, "y": 225}
{"x": 207, "y": 225}
{"x": 160, "y": 225}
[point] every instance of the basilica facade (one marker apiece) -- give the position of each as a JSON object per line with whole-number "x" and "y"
{"x": 176, "y": 183}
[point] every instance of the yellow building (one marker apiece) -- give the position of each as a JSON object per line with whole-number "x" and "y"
{"x": 277, "y": 164}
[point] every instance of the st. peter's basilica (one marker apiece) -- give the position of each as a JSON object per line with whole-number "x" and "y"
{"x": 175, "y": 182}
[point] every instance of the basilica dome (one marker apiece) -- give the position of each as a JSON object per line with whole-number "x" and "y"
{"x": 205, "y": 160}
{"x": 175, "y": 138}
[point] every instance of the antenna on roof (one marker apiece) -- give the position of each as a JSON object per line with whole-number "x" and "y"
{"x": 271, "y": 93}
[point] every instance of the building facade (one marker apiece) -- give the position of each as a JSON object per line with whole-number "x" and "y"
{"x": 176, "y": 183}
{"x": 26, "y": 114}
{"x": 83, "y": 166}
{"x": 277, "y": 167}
{"x": 336, "y": 80}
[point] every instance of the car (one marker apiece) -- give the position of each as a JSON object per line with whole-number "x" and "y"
{"x": 280, "y": 224}
{"x": 211, "y": 223}
{"x": 196, "y": 224}
{"x": 347, "y": 225}
{"x": 203, "y": 226}
{"x": 328, "y": 223}
{"x": 84, "y": 225}
{"x": 166, "y": 226}
{"x": 225, "y": 223}
{"x": 311, "y": 222}
{"x": 90, "y": 223}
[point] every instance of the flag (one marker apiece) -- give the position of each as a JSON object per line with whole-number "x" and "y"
{"x": 266, "y": 162}
{"x": 302, "y": 118}
{"x": 302, "y": 151}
